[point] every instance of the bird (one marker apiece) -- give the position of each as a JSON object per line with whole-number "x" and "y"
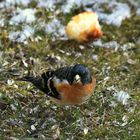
{"x": 69, "y": 85}
{"x": 84, "y": 27}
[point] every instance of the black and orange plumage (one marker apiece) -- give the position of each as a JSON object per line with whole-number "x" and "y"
{"x": 71, "y": 85}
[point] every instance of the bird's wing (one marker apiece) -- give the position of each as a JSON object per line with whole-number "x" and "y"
{"x": 63, "y": 73}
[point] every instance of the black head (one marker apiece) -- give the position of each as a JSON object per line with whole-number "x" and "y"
{"x": 83, "y": 72}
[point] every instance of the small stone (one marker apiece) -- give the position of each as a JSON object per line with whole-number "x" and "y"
{"x": 33, "y": 127}
{"x": 47, "y": 102}
{"x": 81, "y": 47}
{"x": 54, "y": 127}
{"x": 130, "y": 61}
{"x": 85, "y": 131}
{"x": 122, "y": 97}
{"x": 125, "y": 118}
{"x": 94, "y": 57}
{"x": 10, "y": 82}
{"x": 24, "y": 63}
{"x": 13, "y": 107}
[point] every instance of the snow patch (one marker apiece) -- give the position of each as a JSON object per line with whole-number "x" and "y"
{"x": 97, "y": 43}
{"x": 22, "y": 36}
{"x": 122, "y": 97}
{"x": 46, "y": 4}
{"x": 94, "y": 3}
{"x": 13, "y": 35}
{"x": 23, "y": 15}
{"x": 2, "y": 22}
{"x": 95, "y": 57}
{"x": 120, "y": 12}
{"x": 138, "y": 12}
{"x": 11, "y": 3}
{"x": 55, "y": 28}
{"x": 69, "y": 5}
{"x": 112, "y": 45}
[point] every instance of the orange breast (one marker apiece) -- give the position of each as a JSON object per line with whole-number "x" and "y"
{"x": 76, "y": 93}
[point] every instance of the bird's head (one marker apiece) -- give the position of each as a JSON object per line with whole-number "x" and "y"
{"x": 80, "y": 73}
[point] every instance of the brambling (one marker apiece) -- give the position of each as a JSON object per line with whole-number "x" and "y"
{"x": 71, "y": 85}
{"x": 84, "y": 27}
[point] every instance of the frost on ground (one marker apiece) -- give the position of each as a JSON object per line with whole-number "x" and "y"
{"x": 111, "y": 113}
{"x": 55, "y": 28}
{"x": 119, "y": 96}
{"x": 138, "y": 12}
{"x": 23, "y": 16}
{"x": 120, "y": 11}
{"x": 114, "y": 45}
{"x": 2, "y": 22}
{"x": 12, "y": 3}
{"x": 22, "y": 36}
{"x": 70, "y": 4}
{"x": 111, "y": 44}
{"x": 122, "y": 97}
{"x": 47, "y": 4}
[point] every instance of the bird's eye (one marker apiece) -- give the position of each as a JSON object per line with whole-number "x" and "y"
{"x": 77, "y": 79}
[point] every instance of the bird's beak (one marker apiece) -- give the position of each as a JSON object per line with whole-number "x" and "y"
{"x": 77, "y": 79}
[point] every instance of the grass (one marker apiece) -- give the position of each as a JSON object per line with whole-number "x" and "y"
{"x": 26, "y": 113}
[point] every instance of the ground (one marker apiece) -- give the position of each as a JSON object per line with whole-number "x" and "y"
{"x": 27, "y": 113}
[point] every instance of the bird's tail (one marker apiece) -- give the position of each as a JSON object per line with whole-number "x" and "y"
{"x": 36, "y": 81}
